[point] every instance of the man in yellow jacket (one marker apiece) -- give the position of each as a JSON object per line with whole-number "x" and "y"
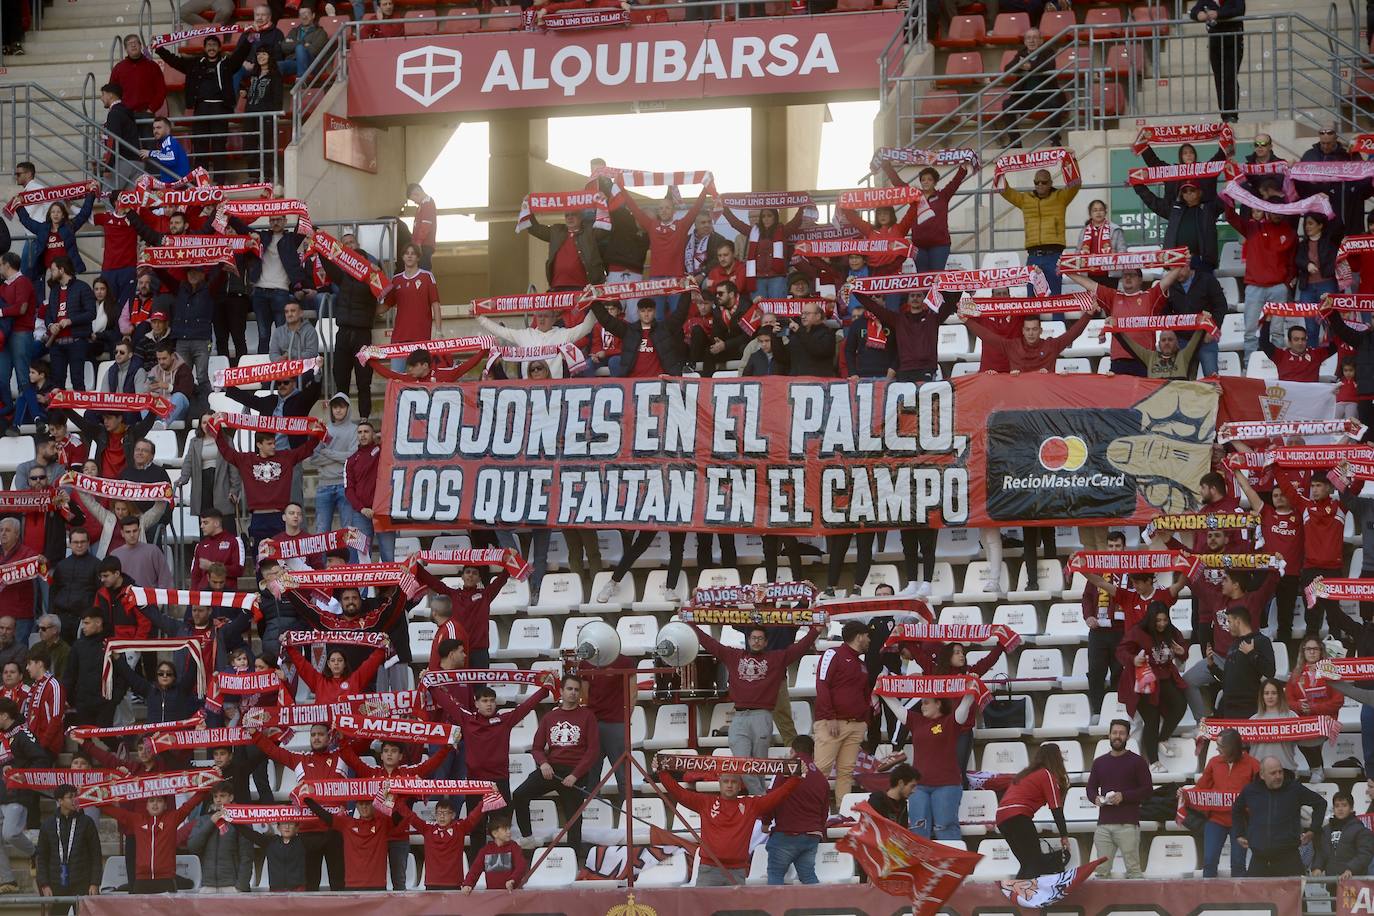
{"x": 1043, "y": 211}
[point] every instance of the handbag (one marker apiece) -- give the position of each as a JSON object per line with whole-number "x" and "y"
{"x": 1007, "y": 712}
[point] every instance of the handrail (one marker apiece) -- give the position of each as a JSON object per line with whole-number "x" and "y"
{"x": 909, "y": 35}
{"x": 116, "y": 49}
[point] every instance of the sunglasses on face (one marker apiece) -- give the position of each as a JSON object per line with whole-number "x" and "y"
{"x": 1262, "y": 144}
{"x": 1326, "y": 133}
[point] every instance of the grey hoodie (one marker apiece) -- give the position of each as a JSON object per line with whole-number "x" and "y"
{"x": 340, "y": 442}
{"x": 226, "y": 859}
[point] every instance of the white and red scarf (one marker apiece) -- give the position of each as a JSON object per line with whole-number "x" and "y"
{"x": 128, "y": 490}
{"x": 201, "y": 32}
{"x": 18, "y": 571}
{"x": 508, "y": 559}
{"x": 1253, "y": 430}
{"x": 181, "y": 597}
{"x": 240, "y": 243}
{"x": 1002, "y": 306}
{"x": 282, "y": 547}
{"x": 907, "y": 686}
{"x": 772, "y": 199}
{"x": 564, "y": 202}
{"x": 200, "y": 738}
{"x": 1130, "y": 562}
{"x": 1000, "y": 633}
{"x": 1163, "y": 174}
{"x": 178, "y": 256}
{"x": 399, "y": 703}
{"x": 155, "y": 785}
{"x": 353, "y": 263}
{"x": 1295, "y": 309}
{"x": 574, "y": 20}
{"x": 270, "y": 814}
{"x": 1236, "y": 193}
{"x": 448, "y": 346}
{"x": 1201, "y": 321}
{"x": 363, "y": 639}
{"x": 174, "y": 196}
{"x": 1315, "y": 457}
{"x": 233, "y": 376}
{"x": 1351, "y": 244}
{"x": 252, "y": 210}
{"x": 573, "y": 358}
{"x": 1272, "y": 731}
{"x": 1080, "y": 262}
{"x": 46, "y": 779}
{"x": 637, "y": 289}
{"x": 411, "y": 731}
{"x": 895, "y": 196}
{"x": 698, "y": 765}
{"x": 1346, "y": 669}
{"x": 50, "y": 195}
{"x": 109, "y": 401}
{"x": 1171, "y": 134}
{"x": 86, "y": 732}
{"x": 194, "y": 646}
{"x": 525, "y": 303}
{"x": 1030, "y": 162}
{"x": 355, "y": 575}
{"x": 783, "y": 308}
{"x": 1331, "y": 171}
{"x": 280, "y": 426}
{"x": 1338, "y": 590}
{"x": 823, "y": 233}
{"x": 935, "y": 157}
{"x": 952, "y": 281}
{"x": 1098, "y": 239}
{"x": 879, "y": 606}
{"x": 464, "y": 676}
{"x": 26, "y": 500}
{"x": 1205, "y": 800}
{"x": 868, "y": 247}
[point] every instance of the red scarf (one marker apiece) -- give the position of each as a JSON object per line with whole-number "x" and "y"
{"x": 1097, "y": 239}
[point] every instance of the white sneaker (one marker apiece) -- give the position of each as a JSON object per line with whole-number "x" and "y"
{"x": 606, "y": 592}
{"x": 912, "y": 590}
{"x": 669, "y": 594}
{"x": 991, "y": 585}
{"x": 923, "y": 590}
{"x": 1166, "y": 750}
{"x": 1318, "y": 775}
{"x": 1158, "y": 767}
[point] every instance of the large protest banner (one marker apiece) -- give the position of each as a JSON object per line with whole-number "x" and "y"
{"x": 782, "y": 455}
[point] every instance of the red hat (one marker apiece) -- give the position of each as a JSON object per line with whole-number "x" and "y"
{"x": 158, "y": 316}
{"x": 1190, "y": 184}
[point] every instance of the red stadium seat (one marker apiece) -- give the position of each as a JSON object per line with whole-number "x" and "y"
{"x": 992, "y": 104}
{"x": 645, "y": 14}
{"x": 1125, "y": 60}
{"x": 962, "y": 70}
{"x": 1105, "y": 22}
{"x": 1052, "y": 22}
{"x": 676, "y": 11}
{"x": 1108, "y": 101}
{"x": 965, "y": 34}
{"x": 468, "y": 21}
{"x": 332, "y": 24}
{"x": 1008, "y": 29}
{"x": 1007, "y": 58}
{"x": 778, "y": 8}
{"x": 505, "y": 19}
{"x": 936, "y": 106}
{"x": 1141, "y": 15}
{"x": 175, "y": 79}
{"x": 1072, "y": 62}
{"x": 421, "y": 22}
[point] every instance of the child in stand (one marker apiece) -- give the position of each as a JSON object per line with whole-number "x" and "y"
{"x": 1347, "y": 397}
{"x": 444, "y": 841}
{"x": 501, "y": 860}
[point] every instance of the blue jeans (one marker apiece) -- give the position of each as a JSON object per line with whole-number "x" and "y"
{"x": 328, "y": 499}
{"x": 180, "y": 405}
{"x": 14, "y": 358}
{"x": 121, "y": 280}
{"x": 786, "y": 849}
{"x": 662, "y": 306}
{"x": 1213, "y": 837}
{"x": 1255, "y": 298}
{"x": 69, "y": 358}
{"x": 296, "y": 64}
{"x": 1049, "y": 264}
{"x": 385, "y": 540}
{"x": 770, "y": 288}
{"x": 269, "y": 309}
{"x": 1207, "y": 357}
{"x": 1313, "y": 292}
{"x": 23, "y": 629}
{"x": 933, "y": 258}
{"x": 937, "y": 804}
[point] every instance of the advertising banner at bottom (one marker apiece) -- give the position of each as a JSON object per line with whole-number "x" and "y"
{"x": 1355, "y": 897}
{"x": 1212, "y": 897}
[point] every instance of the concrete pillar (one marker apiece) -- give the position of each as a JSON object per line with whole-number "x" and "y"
{"x": 516, "y": 144}
{"x": 785, "y": 146}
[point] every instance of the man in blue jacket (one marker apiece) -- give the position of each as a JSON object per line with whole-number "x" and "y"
{"x": 168, "y": 161}
{"x": 71, "y": 309}
{"x": 1266, "y": 816}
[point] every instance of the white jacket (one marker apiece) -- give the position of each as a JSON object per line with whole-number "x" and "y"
{"x": 533, "y": 337}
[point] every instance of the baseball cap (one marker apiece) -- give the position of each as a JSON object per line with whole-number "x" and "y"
{"x": 158, "y": 316}
{"x": 1190, "y": 184}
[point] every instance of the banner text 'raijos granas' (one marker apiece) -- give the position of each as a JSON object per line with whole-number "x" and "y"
{"x": 802, "y": 456}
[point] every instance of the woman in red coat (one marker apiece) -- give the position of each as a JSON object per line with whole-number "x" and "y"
{"x": 767, "y": 255}
{"x": 1043, "y": 784}
{"x": 1150, "y": 680}
{"x": 336, "y": 680}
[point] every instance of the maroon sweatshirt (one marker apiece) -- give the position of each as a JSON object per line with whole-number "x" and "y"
{"x": 266, "y": 481}
{"x": 568, "y": 738}
{"x": 486, "y": 738}
{"x": 842, "y": 686}
{"x": 471, "y": 608}
{"x": 756, "y": 676}
{"x": 222, "y": 548}
{"x": 360, "y": 477}
{"x": 606, "y": 695}
{"x": 807, "y": 809}
{"x": 499, "y": 863}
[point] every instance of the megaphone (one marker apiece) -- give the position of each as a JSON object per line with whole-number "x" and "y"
{"x": 598, "y": 643}
{"x": 677, "y": 644}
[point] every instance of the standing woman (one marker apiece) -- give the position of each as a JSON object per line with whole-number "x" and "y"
{"x": 953, "y": 659}
{"x": 930, "y": 239}
{"x": 1309, "y": 694}
{"x": 767, "y": 253}
{"x": 1101, "y": 236}
{"x": 1316, "y": 264}
{"x": 1042, "y": 784}
{"x": 885, "y": 225}
{"x": 1274, "y": 705}
{"x": 264, "y": 93}
{"x": 1229, "y": 771}
{"x": 57, "y": 236}
{"x": 105, "y": 335}
{"x": 933, "y": 809}
{"x": 215, "y": 483}
{"x": 1150, "y": 680}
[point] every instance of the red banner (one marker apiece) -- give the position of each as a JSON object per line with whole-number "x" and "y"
{"x": 414, "y": 731}
{"x": 775, "y": 55}
{"x": 1267, "y": 731}
{"x": 525, "y": 303}
{"x": 233, "y": 376}
{"x": 50, "y": 195}
{"x": 134, "y": 788}
{"x": 1164, "y": 174}
{"x": 111, "y": 401}
{"x": 825, "y": 456}
{"x": 906, "y": 865}
{"x": 1000, "y": 633}
{"x": 1169, "y": 134}
{"x": 907, "y": 686}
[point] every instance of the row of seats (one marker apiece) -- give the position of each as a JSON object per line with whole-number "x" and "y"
{"x": 966, "y": 33}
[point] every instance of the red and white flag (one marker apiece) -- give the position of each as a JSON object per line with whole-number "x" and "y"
{"x": 1271, "y": 731}
{"x": 900, "y": 863}
{"x": 877, "y": 606}
{"x": 1256, "y": 430}
{"x": 1074, "y": 262}
{"x": 1047, "y": 890}
{"x": 282, "y": 547}
{"x": 1130, "y": 562}
{"x": 113, "y": 401}
{"x": 1169, "y": 134}
{"x": 1338, "y": 590}
{"x": 233, "y": 376}
{"x": 448, "y": 346}
{"x": 50, "y": 195}
{"x": 908, "y": 686}
{"x": 507, "y": 558}
{"x": 906, "y": 633}
{"x": 134, "y": 788}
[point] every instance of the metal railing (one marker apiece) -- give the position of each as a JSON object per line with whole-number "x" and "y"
{"x": 332, "y": 63}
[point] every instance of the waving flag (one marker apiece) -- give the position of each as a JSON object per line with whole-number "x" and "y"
{"x": 905, "y": 865}
{"x": 1041, "y": 892}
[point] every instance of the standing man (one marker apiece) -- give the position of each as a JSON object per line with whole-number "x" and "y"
{"x": 18, "y": 304}
{"x": 566, "y": 746}
{"x": 1267, "y": 816}
{"x": 71, "y": 309}
{"x": 1043, "y": 211}
{"x": 145, "y": 89}
{"x": 167, "y": 160}
{"x": 215, "y": 546}
{"x": 755, "y": 678}
{"x": 1192, "y": 221}
{"x": 1248, "y": 664}
{"x": 1225, "y": 24}
{"x": 425, "y": 232}
{"x": 842, "y": 706}
{"x": 68, "y": 863}
{"x": 355, "y": 314}
{"x": 266, "y": 479}
{"x": 1269, "y": 253}
{"x": 75, "y": 580}
{"x": 1129, "y": 301}
{"x": 276, "y": 275}
{"x": 360, "y": 487}
{"x": 799, "y": 820}
{"x": 340, "y": 442}
{"x": 1198, "y": 290}
{"x": 210, "y": 92}
{"x": 727, "y": 823}
{"x": 121, "y": 137}
{"x": 1118, "y": 783}
{"x": 811, "y": 344}
{"x": 470, "y": 613}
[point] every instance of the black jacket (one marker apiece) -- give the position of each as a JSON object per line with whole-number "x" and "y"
{"x": 83, "y": 858}
{"x": 588, "y": 247}
{"x": 626, "y": 245}
{"x": 169, "y": 704}
{"x": 811, "y": 351}
{"x": 285, "y": 861}
{"x": 1326, "y": 255}
{"x": 1202, "y": 220}
{"x": 1271, "y": 818}
{"x": 1363, "y": 342}
{"x": 1347, "y": 197}
{"x": 208, "y": 80}
{"x": 865, "y": 361}
{"x": 120, "y": 124}
{"x": 1343, "y": 845}
{"x": 84, "y": 675}
{"x": 25, "y": 753}
{"x": 1245, "y": 671}
{"x": 666, "y": 336}
{"x": 75, "y": 581}
{"x": 193, "y": 308}
{"x": 1230, "y": 15}
{"x": 81, "y": 308}
{"x": 355, "y": 306}
{"x": 761, "y": 363}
